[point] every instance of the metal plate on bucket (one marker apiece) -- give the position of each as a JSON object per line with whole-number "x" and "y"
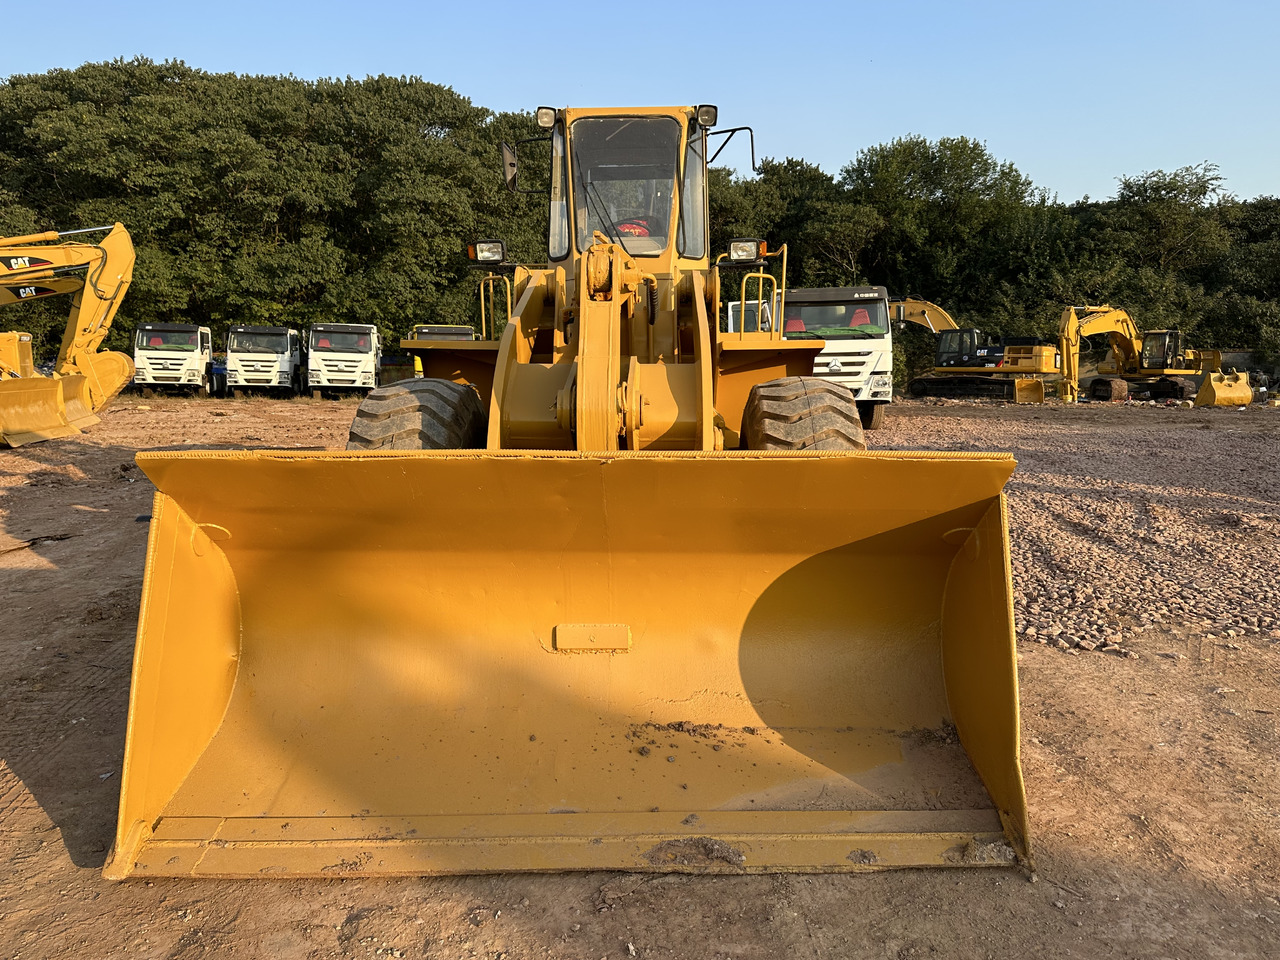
{"x": 603, "y": 637}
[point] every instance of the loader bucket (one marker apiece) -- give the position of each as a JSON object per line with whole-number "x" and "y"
{"x": 1028, "y": 390}
{"x": 468, "y": 662}
{"x": 1224, "y": 390}
{"x": 33, "y": 408}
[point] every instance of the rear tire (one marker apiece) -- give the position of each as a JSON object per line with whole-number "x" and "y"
{"x": 418, "y": 414}
{"x": 801, "y": 413}
{"x": 872, "y": 415}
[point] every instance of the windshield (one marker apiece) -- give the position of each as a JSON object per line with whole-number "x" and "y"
{"x": 1154, "y": 351}
{"x": 835, "y": 321}
{"x": 624, "y": 180}
{"x": 167, "y": 340}
{"x": 242, "y": 342}
{"x": 357, "y": 341}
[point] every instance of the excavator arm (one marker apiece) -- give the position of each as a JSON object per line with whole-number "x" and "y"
{"x": 922, "y": 312}
{"x": 1080, "y": 322}
{"x": 96, "y": 275}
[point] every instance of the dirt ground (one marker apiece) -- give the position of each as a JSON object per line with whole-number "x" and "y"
{"x": 1151, "y": 759}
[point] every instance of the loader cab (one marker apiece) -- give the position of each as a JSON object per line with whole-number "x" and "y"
{"x": 967, "y": 348}
{"x": 638, "y": 179}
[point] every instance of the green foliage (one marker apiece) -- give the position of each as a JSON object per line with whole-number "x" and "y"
{"x": 282, "y": 201}
{"x": 264, "y": 199}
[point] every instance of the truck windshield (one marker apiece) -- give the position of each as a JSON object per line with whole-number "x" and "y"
{"x": 243, "y": 342}
{"x": 624, "y": 181}
{"x": 358, "y": 341}
{"x": 168, "y": 340}
{"x": 835, "y": 321}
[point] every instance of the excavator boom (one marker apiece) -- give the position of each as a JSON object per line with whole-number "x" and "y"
{"x": 96, "y": 276}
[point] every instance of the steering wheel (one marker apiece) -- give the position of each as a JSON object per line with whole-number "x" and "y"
{"x": 634, "y": 226}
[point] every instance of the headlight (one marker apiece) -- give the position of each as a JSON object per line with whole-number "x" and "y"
{"x": 881, "y": 382}
{"x": 746, "y": 250}
{"x": 313, "y": 377}
{"x": 487, "y": 251}
{"x": 283, "y": 378}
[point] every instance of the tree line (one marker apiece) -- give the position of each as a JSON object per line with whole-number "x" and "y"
{"x": 275, "y": 200}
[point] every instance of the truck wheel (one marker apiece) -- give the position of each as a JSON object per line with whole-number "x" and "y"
{"x": 872, "y": 415}
{"x": 801, "y": 413}
{"x": 419, "y": 414}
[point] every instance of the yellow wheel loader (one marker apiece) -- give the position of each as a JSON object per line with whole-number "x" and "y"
{"x": 617, "y": 590}
{"x": 96, "y": 275}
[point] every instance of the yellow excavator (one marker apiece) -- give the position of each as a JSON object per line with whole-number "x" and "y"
{"x": 970, "y": 364}
{"x": 616, "y": 590}
{"x": 96, "y": 276}
{"x": 1156, "y": 362}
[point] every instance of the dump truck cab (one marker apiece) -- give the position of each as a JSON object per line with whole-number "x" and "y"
{"x": 344, "y": 357}
{"x": 264, "y": 358}
{"x": 854, "y": 324}
{"x": 173, "y": 356}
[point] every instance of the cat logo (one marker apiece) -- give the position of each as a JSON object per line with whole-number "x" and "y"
{"x": 23, "y": 263}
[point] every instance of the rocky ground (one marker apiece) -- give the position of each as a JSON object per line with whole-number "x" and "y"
{"x": 1144, "y": 547}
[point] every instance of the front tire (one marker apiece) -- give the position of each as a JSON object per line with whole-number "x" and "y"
{"x": 419, "y": 414}
{"x": 801, "y": 413}
{"x": 871, "y": 415}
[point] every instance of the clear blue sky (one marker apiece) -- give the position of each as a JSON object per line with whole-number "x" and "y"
{"x": 1075, "y": 94}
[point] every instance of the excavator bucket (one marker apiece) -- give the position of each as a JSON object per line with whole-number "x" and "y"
{"x": 1028, "y": 390}
{"x": 35, "y": 408}
{"x": 1224, "y": 390}
{"x": 76, "y": 401}
{"x": 465, "y": 662}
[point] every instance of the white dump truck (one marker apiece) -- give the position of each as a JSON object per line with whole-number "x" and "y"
{"x": 173, "y": 355}
{"x": 854, "y": 322}
{"x": 264, "y": 358}
{"x": 343, "y": 356}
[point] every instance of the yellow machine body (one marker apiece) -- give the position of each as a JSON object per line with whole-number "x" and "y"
{"x": 1130, "y": 354}
{"x": 96, "y": 276}
{"x": 691, "y": 670}
{"x": 1225, "y": 390}
{"x": 1026, "y": 364}
{"x": 604, "y": 639}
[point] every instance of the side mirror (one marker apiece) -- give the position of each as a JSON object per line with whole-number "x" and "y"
{"x": 509, "y": 165}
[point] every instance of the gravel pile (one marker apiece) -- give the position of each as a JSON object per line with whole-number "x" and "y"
{"x": 1125, "y": 522}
